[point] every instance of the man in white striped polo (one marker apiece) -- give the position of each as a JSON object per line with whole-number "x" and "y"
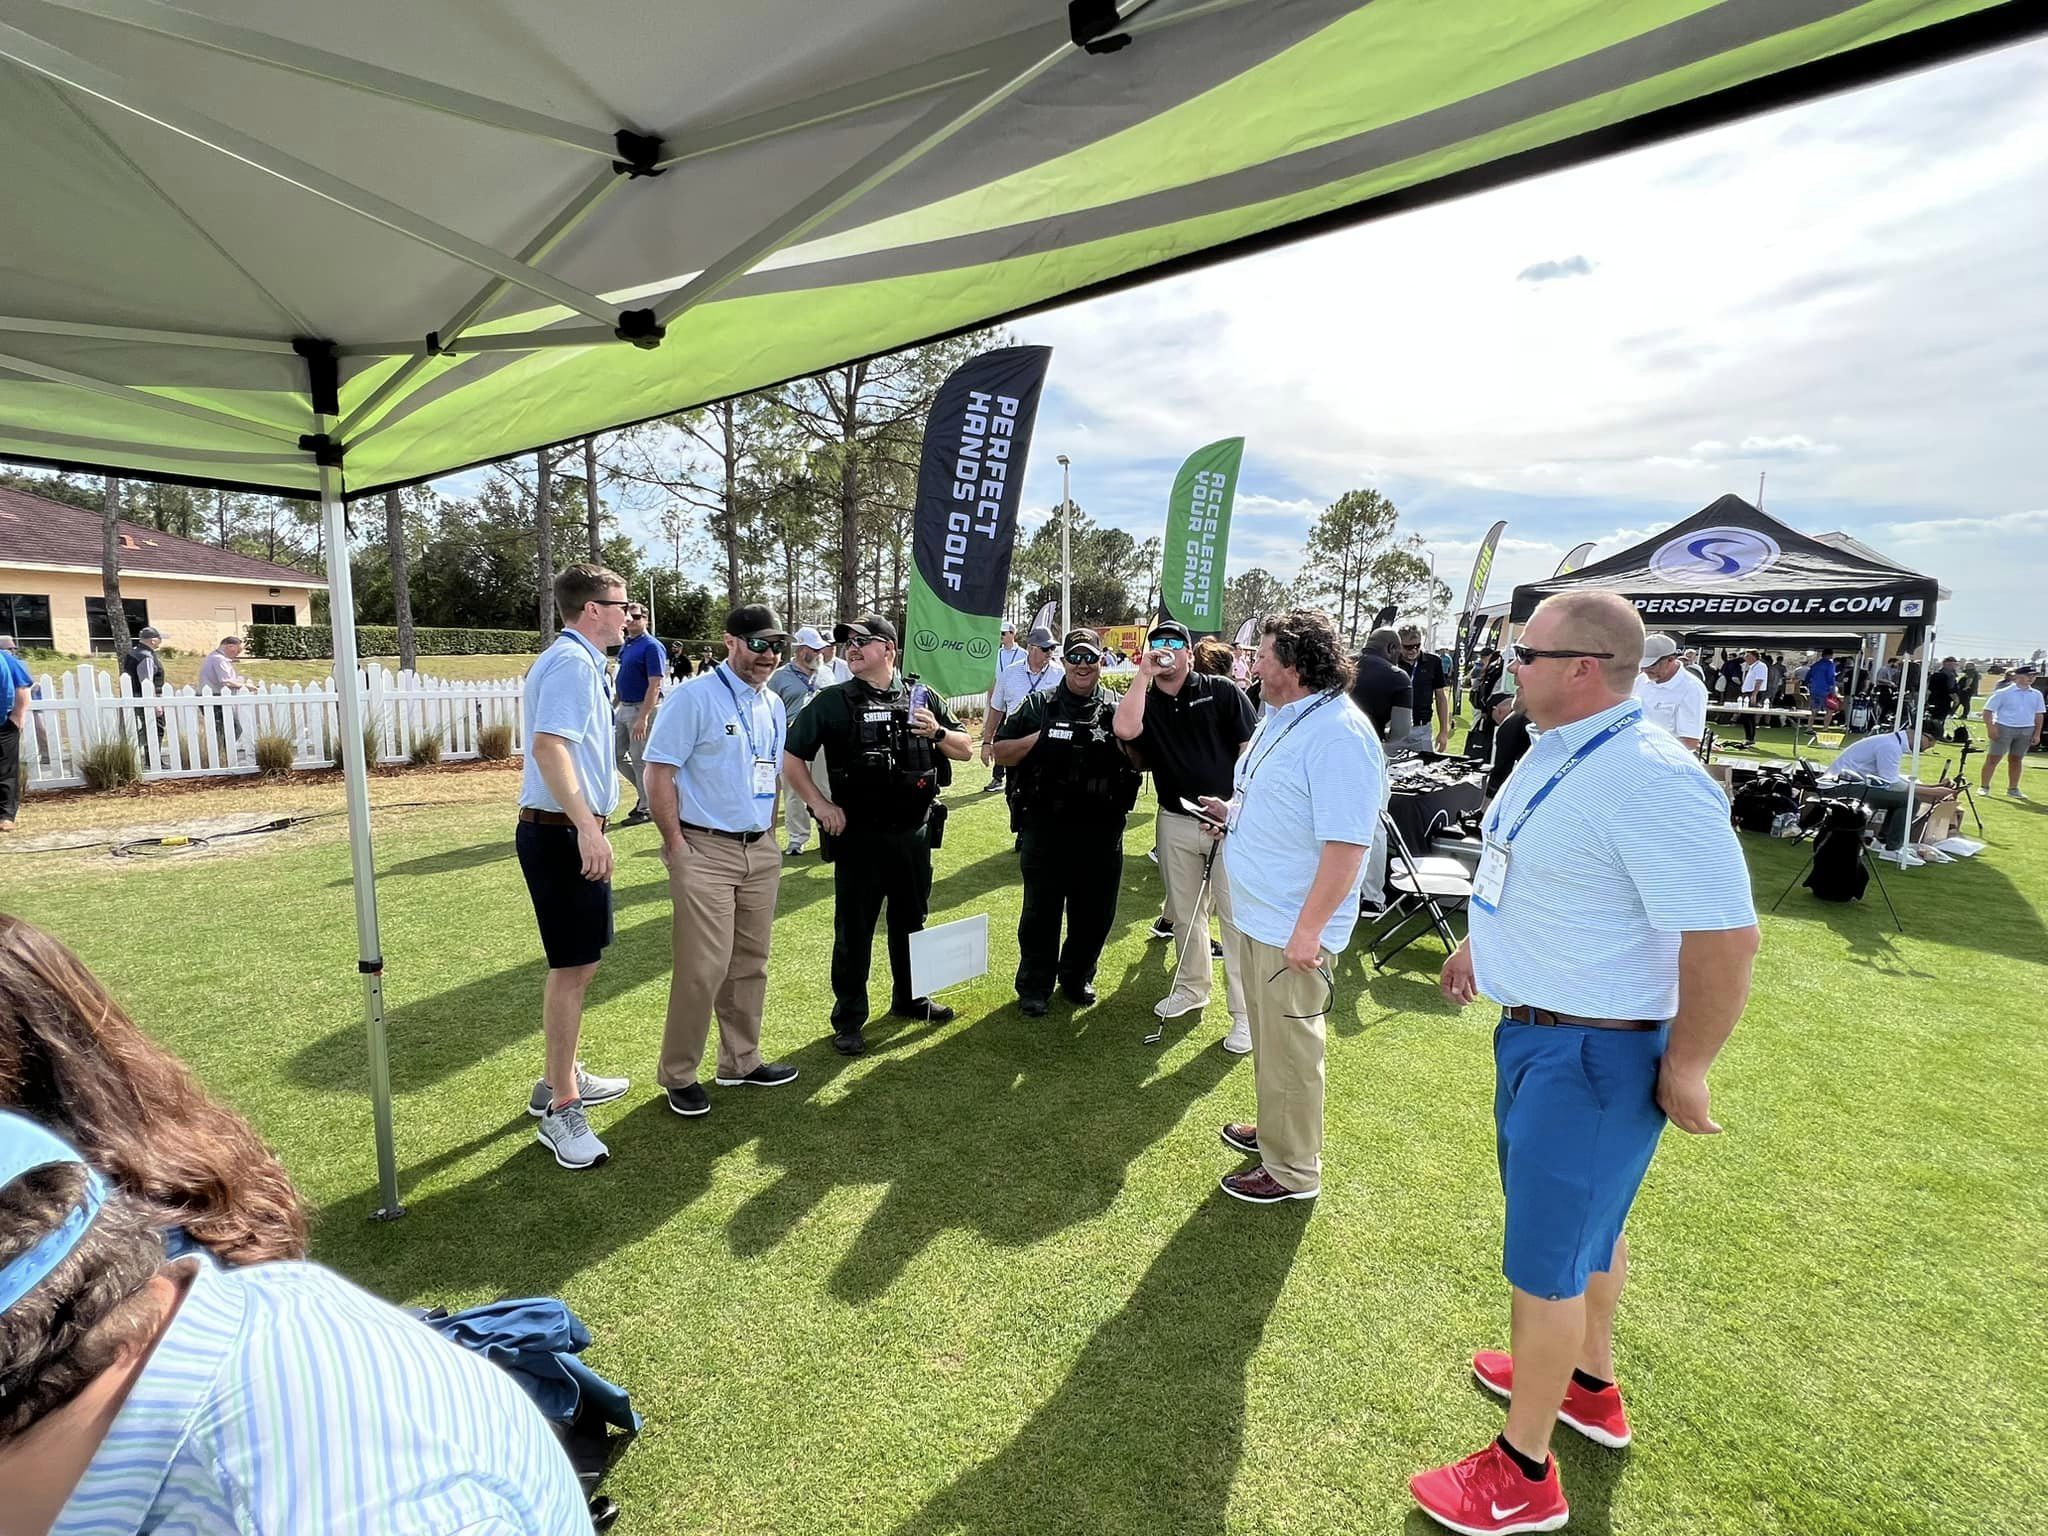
{"x": 145, "y": 1396}
{"x": 1611, "y": 920}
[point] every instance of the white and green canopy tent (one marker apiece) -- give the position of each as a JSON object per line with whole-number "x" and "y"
{"x": 326, "y": 249}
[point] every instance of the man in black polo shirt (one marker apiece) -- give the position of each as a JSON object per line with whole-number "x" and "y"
{"x": 1381, "y": 684}
{"x": 1188, "y": 729}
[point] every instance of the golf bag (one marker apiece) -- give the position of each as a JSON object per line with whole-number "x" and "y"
{"x": 1838, "y": 872}
{"x": 1760, "y": 802}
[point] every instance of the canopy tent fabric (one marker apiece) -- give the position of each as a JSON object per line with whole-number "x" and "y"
{"x": 1732, "y": 566}
{"x": 325, "y": 250}
{"x": 468, "y": 230}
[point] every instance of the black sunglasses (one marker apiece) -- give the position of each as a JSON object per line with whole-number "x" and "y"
{"x": 1524, "y": 655}
{"x": 1329, "y": 991}
{"x": 612, "y": 602}
{"x": 1082, "y": 658}
{"x": 759, "y": 644}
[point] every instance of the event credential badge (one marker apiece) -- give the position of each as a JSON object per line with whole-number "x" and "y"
{"x": 1491, "y": 878}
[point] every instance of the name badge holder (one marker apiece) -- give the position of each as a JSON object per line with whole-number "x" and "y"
{"x": 1490, "y": 881}
{"x": 765, "y": 768}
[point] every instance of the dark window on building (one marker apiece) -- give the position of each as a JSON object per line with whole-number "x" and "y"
{"x": 28, "y": 620}
{"x": 273, "y": 613}
{"x": 100, "y": 632}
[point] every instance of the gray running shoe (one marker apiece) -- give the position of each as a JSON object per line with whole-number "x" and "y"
{"x": 591, "y": 1090}
{"x": 566, "y": 1132}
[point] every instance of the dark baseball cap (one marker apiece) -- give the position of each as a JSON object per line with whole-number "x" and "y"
{"x": 2028, "y": 669}
{"x": 871, "y": 626}
{"x": 1083, "y": 640}
{"x": 1170, "y": 627}
{"x": 754, "y": 619}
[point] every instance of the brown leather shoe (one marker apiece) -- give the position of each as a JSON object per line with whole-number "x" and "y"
{"x": 1241, "y": 1138}
{"x": 1261, "y": 1188}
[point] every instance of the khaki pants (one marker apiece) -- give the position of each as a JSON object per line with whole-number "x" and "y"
{"x": 1182, "y": 848}
{"x": 1287, "y": 1057}
{"x": 796, "y": 816}
{"x": 724, "y": 895}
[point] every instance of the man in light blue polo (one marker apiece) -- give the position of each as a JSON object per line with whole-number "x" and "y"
{"x": 567, "y": 789}
{"x": 1611, "y": 920}
{"x": 272, "y": 1400}
{"x": 713, "y": 765}
{"x": 643, "y": 666}
{"x": 1016, "y": 681}
{"x": 1303, "y": 815}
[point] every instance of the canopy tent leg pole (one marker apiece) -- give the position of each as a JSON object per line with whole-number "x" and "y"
{"x": 356, "y": 772}
{"x": 1919, "y": 713}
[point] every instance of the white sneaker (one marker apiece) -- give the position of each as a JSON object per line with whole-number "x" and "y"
{"x": 1905, "y": 858}
{"x": 1152, "y": 854}
{"x": 1177, "y": 1002}
{"x": 1239, "y": 1041}
{"x": 590, "y": 1089}
{"x": 566, "y": 1132}
{"x": 2013, "y": 794}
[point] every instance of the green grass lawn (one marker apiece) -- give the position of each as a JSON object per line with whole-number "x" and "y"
{"x": 982, "y": 1279}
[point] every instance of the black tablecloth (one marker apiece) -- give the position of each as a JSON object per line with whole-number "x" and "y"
{"x": 1413, "y": 811}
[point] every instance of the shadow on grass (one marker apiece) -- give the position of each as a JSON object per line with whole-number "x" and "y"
{"x": 1146, "y": 1432}
{"x": 1010, "y": 1128}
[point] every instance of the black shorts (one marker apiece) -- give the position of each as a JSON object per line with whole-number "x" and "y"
{"x": 575, "y": 914}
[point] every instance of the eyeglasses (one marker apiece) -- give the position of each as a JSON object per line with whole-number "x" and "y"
{"x": 1082, "y": 658}
{"x": 759, "y": 644}
{"x": 1167, "y": 643}
{"x": 1525, "y": 654}
{"x": 855, "y": 642}
{"x": 612, "y": 602}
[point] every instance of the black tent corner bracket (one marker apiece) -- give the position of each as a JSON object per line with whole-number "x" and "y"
{"x": 1093, "y": 24}
{"x": 639, "y": 153}
{"x": 323, "y": 372}
{"x": 640, "y": 328}
{"x": 326, "y": 450}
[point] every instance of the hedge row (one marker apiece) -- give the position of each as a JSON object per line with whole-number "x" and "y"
{"x": 307, "y": 642}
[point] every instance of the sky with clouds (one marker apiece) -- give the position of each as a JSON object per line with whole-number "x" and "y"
{"x": 1849, "y": 297}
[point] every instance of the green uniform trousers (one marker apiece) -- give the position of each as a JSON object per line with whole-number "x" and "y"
{"x": 1071, "y": 870}
{"x": 871, "y": 868}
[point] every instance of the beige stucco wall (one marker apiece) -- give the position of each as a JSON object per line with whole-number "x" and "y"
{"x": 192, "y": 614}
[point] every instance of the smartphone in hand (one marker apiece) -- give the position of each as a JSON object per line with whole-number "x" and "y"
{"x": 1196, "y": 809}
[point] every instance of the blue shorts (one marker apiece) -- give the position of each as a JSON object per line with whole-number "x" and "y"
{"x": 1575, "y": 1110}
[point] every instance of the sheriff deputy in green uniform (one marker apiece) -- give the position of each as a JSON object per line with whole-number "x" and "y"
{"x": 1072, "y": 781}
{"x": 888, "y": 751}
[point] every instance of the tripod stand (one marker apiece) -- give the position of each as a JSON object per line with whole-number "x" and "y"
{"x": 1960, "y": 782}
{"x": 1869, "y": 862}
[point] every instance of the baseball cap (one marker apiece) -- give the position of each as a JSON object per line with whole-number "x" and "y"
{"x": 2027, "y": 668}
{"x": 810, "y": 638}
{"x": 1083, "y": 640}
{"x": 1170, "y": 627}
{"x": 753, "y": 619}
{"x": 1009, "y": 629}
{"x": 149, "y": 632}
{"x": 1040, "y": 637}
{"x": 1657, "y": 648}
{"x": 872, "y": 626}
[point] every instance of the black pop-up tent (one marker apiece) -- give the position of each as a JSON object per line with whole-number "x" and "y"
{"x": 323, "y": 249}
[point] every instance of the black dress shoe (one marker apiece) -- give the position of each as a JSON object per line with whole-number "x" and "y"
{"x": 691, "y": 1101}
{"x": 849, "y": 1043}
{"x": 1082, "y": 996}
{"x": 1033, "y": 1007}
{"x": 923, "y": 1010}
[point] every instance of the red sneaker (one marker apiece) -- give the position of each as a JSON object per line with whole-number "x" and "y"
{"x": 1598, "y": 1416}
{"x": 1486, "y": 1495}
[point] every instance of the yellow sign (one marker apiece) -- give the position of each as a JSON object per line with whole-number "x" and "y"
{"x": 1128, "y": 638}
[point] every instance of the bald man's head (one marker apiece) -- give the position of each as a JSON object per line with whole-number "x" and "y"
{"x": 1600, "y": 621}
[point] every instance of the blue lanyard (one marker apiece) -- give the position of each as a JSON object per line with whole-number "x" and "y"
{"x": 1252, "y": 765}
{"x": 1586, "y": 750}
{"x": 746, "y": 712}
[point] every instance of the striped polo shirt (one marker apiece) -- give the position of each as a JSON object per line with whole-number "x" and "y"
{"x": 282, "y": 1399}
{"x": 1630, "y": 851}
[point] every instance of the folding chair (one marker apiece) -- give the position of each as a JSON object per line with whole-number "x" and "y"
{"x": 1425, "y": 890}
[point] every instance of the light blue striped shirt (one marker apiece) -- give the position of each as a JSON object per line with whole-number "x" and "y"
{"x": 1630, "y": 851}
{"x": 711, "y": 730}
{"x": 1320, "y": 781}
{"x": 567, "y": 696}
{"x": 284, "y": 1401}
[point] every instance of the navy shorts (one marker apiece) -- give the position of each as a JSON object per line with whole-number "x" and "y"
{"x": 1575, "y": 1110}
{"x": 575, "y": 914}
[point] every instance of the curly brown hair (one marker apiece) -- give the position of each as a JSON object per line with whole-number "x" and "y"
{"x": 71, "y": 1058}
{"x": 1306, "y": 640}
{"x": 82, "y": 1316}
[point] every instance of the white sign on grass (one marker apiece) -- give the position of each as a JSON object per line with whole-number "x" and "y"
{"x": 949, "y": 954}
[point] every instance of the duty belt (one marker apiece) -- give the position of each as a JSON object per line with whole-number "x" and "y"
{"x": 1524, "y": 1014}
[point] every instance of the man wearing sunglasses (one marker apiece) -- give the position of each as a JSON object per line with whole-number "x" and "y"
{"x": 1073, "y": 782}
{"x": 1038, "y": 672}
{"x": 1611, "y": 922}
{"x": 889, "y": 755}
{"x": 714, "y": 761}
{"x": 643, "y": 664}
{"x": 1188, "y": 729}
{"x": 1431, "y": 696}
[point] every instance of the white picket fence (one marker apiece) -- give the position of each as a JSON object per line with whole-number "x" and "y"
{"x": 187, "y": 733}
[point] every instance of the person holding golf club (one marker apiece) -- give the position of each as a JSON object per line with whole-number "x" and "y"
{"x": 1188, "y": 729}
{"x": 1303, "y": 814}
{"x": 1072, "y": 783}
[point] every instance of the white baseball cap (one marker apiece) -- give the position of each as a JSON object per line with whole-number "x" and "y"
{"x": 1656, "y": 648}
{"x": 811, "y": 639}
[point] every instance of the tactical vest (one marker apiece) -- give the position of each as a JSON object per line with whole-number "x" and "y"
{"x": 886, "y": 776}
{"x": 1078, "y": 770}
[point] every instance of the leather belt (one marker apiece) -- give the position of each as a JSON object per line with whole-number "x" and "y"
{"x": 1550, "y": 1020}
{"x": 738, "y": 837}
{"x": 551, "y": 818}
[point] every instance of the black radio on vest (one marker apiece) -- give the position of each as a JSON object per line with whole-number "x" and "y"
{"x": 1078, "y": 769}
